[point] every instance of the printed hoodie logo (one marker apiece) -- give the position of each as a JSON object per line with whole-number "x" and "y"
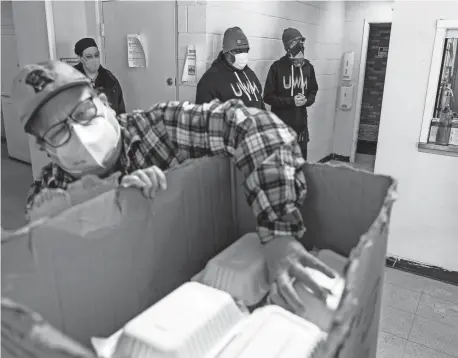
{"x": 248, "y": 87}
{"x": 297, "y": 83}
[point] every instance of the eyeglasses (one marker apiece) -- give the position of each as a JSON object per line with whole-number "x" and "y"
{"x": 59, "y": 134}
{"x": 296, "y": 42}
{"x": 89, "y": 57}
{"x": 240, "y": 50}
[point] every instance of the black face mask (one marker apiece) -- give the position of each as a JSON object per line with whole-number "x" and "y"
{"x": 296, "y": 49}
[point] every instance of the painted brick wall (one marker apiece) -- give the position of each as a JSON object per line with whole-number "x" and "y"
{"x": 374, "y": 80}
{"x": 322, "y": 23}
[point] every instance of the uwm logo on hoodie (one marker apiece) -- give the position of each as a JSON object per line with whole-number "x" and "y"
{"x": 248, "y": 87}
{"x": 297, "y": 82}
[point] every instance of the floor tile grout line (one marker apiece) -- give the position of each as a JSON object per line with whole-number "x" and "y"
{"x": 411, "y": 326}
{"x": 408, "y": 340}
{"x": 419, "y": 315}
{"x": 407, "y": 289}
{"x": 422, "y": 291}
{"x": 436, "y": 321}
{"x": 393, "y": 334}
{"x": 433, "y": 349}
{"x": 418, "y": 303}
{"x": 397, "y": 308}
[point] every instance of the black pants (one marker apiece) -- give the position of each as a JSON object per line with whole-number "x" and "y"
{"x": 303, "y": 142}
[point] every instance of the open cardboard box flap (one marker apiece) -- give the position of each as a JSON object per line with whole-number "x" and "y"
{"x": 98, "y": 264}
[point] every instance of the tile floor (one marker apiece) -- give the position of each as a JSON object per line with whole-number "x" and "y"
{"x": 419, "y": 317}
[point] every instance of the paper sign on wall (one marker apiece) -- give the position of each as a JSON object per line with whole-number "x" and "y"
{"x": 189, "y": 71}
{"x": 136, "y": 53}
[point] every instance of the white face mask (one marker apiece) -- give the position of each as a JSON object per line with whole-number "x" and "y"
{"x": 241, "y": 60}
{"x": 90, "y": 147}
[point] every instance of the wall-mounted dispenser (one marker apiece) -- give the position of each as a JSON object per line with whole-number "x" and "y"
{"x": 346, "y": 96}
{"x": 348, "y": 62}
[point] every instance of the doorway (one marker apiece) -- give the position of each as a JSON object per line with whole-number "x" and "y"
{"x": 374, "y": 58}
{"x": 156, "y": 24}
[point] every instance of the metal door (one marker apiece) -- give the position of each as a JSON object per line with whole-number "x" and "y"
{"x": 156, "y": 21}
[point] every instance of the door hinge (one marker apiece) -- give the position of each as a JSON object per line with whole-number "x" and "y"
{"x": 102, "y": 29}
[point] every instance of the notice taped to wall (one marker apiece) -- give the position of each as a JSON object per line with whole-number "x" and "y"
{"x": 189, "y": 70}
{"x": 136, "y": 53}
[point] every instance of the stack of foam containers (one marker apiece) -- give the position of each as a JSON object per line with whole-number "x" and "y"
{"x": 197, "y": 321}
{"x": 240, "y": 270}
{"x": 201, "y": 319}
{"x": 272, "y": 332}
{"x": 187, "y": 323}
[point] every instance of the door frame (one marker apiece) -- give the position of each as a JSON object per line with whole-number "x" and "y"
{"x": 99, "y": 21}
{"x": 360, "y": 85}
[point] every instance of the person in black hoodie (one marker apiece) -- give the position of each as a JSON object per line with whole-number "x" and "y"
{"x": 291, "y": 86}
{"x": 229, "y": 77}
{"x": 102, "y": 79}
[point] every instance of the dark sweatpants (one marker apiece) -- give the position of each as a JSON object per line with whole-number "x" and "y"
{"x": 303, "y": 146}
{"x": 302, "y": 140}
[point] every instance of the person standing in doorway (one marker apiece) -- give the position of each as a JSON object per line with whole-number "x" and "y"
{"x": 229, "y": 77}
{"x": 291, "y": 86}
{"x": 101, "y": 78}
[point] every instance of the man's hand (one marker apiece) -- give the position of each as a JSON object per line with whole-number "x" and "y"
{"x": 300, "y": 100}
{"x": 148, "y": 180}
{"x": 286, "y": 261}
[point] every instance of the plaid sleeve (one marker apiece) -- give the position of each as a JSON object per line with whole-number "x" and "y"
{"x": 51, "y": 177}
{"x": 260, "y": 144}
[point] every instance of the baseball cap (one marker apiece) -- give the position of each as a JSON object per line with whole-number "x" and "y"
{"x": 38, "y": 83}
{"x": 289, "y": 35}
{"x": 233, "y": 39}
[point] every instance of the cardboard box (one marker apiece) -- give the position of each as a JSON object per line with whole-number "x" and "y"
{"x": 95, "y": 266}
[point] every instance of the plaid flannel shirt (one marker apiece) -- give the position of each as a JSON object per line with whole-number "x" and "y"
{"x": 259, "y": 143}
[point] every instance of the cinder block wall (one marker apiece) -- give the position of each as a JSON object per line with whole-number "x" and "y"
{"x": 203, "y": 23}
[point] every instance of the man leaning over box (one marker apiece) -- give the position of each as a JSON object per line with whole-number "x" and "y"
{"x": 82, "y": 135}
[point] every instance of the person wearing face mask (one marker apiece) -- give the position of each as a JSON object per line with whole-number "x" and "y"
{"x": 291, "y": 86}
{"x": 101, "y": 78}
{"x": 229, "y": 76}
{"x": 77, "y": 128}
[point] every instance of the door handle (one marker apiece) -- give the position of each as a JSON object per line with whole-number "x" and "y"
{"x": 169, "y": 81}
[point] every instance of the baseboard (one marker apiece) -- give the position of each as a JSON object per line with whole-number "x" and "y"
{"x": 341, "y": 158}
{"x": 328, "y": 158}
{"x": 417, "y": 268}
{"x": 333, "y": 156}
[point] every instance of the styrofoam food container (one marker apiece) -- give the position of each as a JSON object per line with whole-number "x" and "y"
{"x": 333, "y": 260}
{"x": 315, "y": 310}
{"x": 187, "y": 323}
{"x": 270, "y": 332}
{"x": 240, "y": 270}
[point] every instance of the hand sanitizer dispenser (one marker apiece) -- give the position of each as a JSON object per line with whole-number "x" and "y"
{"x": 347, "y": 70}
{"x": 346, "y": 96}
